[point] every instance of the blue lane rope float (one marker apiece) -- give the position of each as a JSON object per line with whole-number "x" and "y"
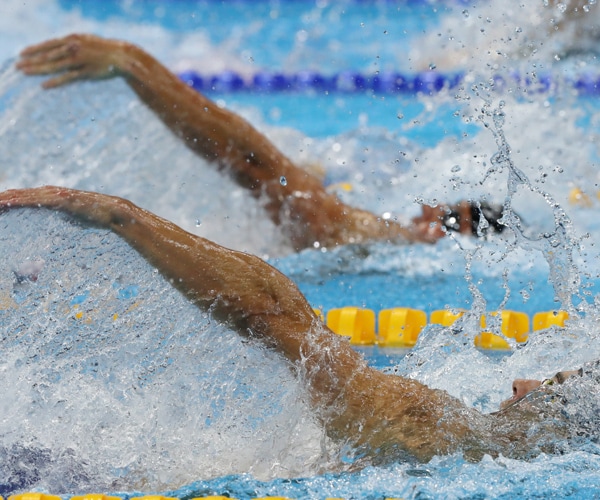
{"x": 426, "y": 82}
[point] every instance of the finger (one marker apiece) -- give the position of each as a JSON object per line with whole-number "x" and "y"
{"x": 46, "y": 62}
{"x": 32, "y": 197}
{"x": 42, "y": 47}
{"x": 44, "y": 68}
{"x": 64, "y": 78}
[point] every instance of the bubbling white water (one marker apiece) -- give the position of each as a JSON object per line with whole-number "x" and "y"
{"x": 113, "y": 380}
{"x": 494, "y": 36}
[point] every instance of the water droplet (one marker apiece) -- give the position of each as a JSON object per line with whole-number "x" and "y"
{"x": 400, "y": 116}
{"x": 198, "y": 222}
{"x": 455, "y": 168}
{"x": 283, "y": 181}
{"x": 432, "y": 66}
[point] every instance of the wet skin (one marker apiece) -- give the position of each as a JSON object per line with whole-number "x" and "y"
{"x": 523, "y": 387}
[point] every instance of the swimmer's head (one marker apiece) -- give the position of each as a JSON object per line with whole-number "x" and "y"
{"x": 466, "y": 218}
{"x": 520, "y": 389}
{"x": 463, "y": 217}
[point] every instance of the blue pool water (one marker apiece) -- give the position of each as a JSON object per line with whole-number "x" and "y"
{"x": 101, "y": 362}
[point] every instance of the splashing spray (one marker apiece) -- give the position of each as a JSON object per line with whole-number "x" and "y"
{"x": 558, "y": 245}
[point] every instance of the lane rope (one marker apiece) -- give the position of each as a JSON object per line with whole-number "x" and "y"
{"x": 400, "y": 327}
{"x": 426, "y": 82}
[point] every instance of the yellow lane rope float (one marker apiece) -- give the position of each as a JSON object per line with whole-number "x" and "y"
{"x": 400, "y": 326}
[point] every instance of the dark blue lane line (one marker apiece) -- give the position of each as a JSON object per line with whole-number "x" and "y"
{"x": 428, "y": 82}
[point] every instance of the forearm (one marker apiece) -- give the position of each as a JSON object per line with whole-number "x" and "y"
{"x": 309, "y": 213}
{"x": 223, "y": 137}
{"x": 205, "y": 127}
{"x": 240, "y": 288}
{"x": 215, "y": 133}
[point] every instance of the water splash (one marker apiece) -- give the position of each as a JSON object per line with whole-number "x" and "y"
{"x": 114, "y": 380}
{"x": 557, "y": 246}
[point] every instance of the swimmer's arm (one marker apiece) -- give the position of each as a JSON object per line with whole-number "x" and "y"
{"x": 358, "y": 404}
{"x": 214, "y": 132}
{"x": 239, "y": 289}
{"x": 307, "y": 211}
{"x": 232, "y": 282}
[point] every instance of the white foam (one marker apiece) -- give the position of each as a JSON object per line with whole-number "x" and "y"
{"x": 112, "y": 379}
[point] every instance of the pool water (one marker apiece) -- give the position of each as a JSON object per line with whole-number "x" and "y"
{"x": 102, "y": 361}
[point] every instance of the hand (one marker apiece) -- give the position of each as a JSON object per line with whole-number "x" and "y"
{"x": 96, "y": 207}
{"x": 74, "y": 57}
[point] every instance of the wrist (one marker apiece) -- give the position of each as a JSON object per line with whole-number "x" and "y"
{"x": 126, "y": 60}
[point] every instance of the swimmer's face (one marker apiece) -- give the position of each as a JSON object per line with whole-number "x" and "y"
{"x": 435, "y": 222}
{"x": 520, "y": 388}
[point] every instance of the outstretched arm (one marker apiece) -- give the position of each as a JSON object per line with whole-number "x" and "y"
{"x": 237, "y": 288}
{"x": 357, "y": 404}
{"x": 307, "y": 212}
